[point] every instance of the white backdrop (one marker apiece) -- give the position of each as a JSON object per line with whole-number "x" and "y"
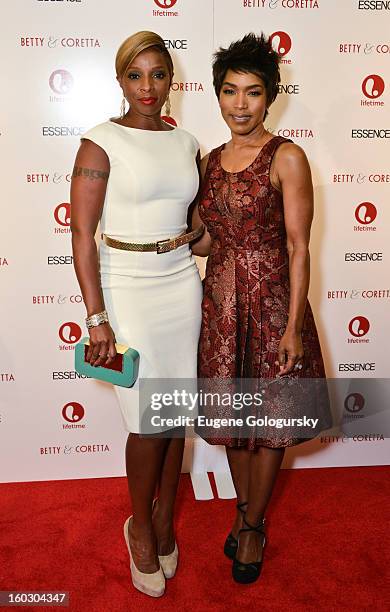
{"x": 57, "y": 65}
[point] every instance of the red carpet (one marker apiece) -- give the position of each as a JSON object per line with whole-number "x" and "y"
{"x": 327, "y": 538}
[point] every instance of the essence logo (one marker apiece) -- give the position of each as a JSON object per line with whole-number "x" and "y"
{"x": 62, "y": 130}
{"x": 373, "y": 5}
{"x": 60, "y": 260}
{"x": 69, "y": 333}
{"x": 364, "y": 256}
{"x": 176, "y": 44}
{"x": 282, "y": 44}
{"x": 365, "y": 214}
{"x": 358, "y": 327}
{"x": 73, "y": 413}
{"x": 288, "y": 88}
{"x": 373, "y": 87}
{"x": 61, "y": 82}
{"x": 62, "y": 217}
{"x": 368, "y": 366}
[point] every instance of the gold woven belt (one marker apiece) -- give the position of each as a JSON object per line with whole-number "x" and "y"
{"x": 161, "y": 246}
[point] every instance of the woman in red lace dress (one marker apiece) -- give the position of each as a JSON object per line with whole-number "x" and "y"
{"x": 257, "y": 206}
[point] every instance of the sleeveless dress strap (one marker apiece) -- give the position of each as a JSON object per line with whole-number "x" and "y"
{"x": 272, "y": 146}
{"x": 213, "y": 160}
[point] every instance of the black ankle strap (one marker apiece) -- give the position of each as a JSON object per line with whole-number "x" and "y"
{"x": 240, "y": 507}
{"x": 259, "y": 528}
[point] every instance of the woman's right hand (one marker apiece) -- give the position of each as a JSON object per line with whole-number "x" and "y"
{"x": 101, "y": 345}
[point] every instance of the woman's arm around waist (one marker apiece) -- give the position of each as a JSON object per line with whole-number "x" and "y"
{"x": 202, "y": 246}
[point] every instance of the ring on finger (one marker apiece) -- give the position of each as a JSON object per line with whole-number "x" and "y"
{"x": 298, "y": 366}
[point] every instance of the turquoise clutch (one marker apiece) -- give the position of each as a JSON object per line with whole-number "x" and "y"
{"x": 122, "y": 371}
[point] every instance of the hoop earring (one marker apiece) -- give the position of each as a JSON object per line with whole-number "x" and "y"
{"x": 168, "y": 107}
{"x": 123, "y": 107}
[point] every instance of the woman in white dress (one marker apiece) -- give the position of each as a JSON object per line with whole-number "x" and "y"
{"x": 138, "y": 176}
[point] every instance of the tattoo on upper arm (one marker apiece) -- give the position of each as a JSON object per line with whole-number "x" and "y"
{"x": 89, "y": 173}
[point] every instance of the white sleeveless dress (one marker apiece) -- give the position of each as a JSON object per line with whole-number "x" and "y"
{"x": 153, "y": 300}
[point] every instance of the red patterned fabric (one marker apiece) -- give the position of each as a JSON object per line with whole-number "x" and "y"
{"x": 246, "y": 289}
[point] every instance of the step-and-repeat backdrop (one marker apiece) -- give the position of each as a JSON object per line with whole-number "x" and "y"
{"x": 57, "y": 66}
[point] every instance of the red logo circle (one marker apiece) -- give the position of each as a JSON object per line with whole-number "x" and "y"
{"x": 281, "y": 42}
{"x": 70, "y": 332}
{"x": 373, "y": 86}
{"x": 365, "y": 213}
{"x": 165, "y": 4}
{"x": 169, "y": 120}
{"x": 359, "y": 326}
{"x": 73, "y": 412}
{"x": 62, "y": 214}
{"x": 354, "y": 402}
{"x": 61, "y": 82}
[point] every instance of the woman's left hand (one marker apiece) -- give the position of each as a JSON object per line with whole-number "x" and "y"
{"x": 290, "y": 352}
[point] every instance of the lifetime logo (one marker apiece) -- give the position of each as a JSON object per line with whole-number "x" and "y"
{"x": 354, "y": 402}
{"x": 282, "y": 43}
{"x": 73, "y": 412}
{"x": 62, "y": 214}
{"x": 165, "y": 4}
{"x": 69, "y": 333}
{"x": 373, "y": 87}
{"x": 61, "y": 82}
{"x": 365, "y": 214}
{"x": 62, "y": 218}
{"x": 358, "y": 328}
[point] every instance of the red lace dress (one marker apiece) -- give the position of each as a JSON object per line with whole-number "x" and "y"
{"x": 246, "y": 289}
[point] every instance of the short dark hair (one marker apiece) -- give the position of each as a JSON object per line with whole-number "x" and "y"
{"x": 252, "y": 54}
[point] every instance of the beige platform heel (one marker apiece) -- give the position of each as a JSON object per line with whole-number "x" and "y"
{"x": 150, "y": 584}
{"x": 169, "y": 562}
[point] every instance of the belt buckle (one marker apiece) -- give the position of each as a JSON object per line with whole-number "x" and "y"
{"x": 160, "y": 247}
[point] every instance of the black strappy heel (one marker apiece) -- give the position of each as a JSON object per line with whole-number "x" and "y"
{"x": 231, "y": 543}
{"x": 245, "y": 573}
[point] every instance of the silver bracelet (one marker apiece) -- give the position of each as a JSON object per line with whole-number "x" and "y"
{"x": 96, "y": 319}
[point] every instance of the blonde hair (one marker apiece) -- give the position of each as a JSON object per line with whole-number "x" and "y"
{"x": 136, "y": 43}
